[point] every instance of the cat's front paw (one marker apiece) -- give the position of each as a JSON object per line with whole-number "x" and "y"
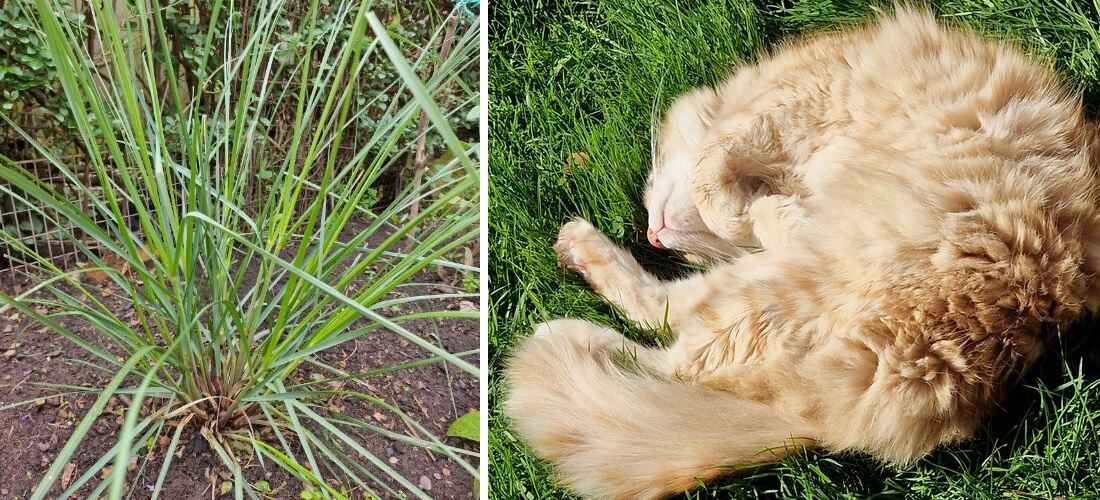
{"x": 578, "y": 245}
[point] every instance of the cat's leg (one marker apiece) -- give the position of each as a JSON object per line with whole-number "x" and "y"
{"x": 775, "y": 329}
{"x": 614, "y": 273}
{"x": 779, "y": 368}
{"x": 741, "y": 161}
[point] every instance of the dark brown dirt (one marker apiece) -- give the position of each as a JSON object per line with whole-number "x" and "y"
{"x": 433, "y": 395}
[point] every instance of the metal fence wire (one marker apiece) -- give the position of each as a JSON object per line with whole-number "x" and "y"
{"x": 50, "y": 234}
{"x": 43, "y": 229}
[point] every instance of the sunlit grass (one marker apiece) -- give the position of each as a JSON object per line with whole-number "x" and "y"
{"x": 583, "y": 77}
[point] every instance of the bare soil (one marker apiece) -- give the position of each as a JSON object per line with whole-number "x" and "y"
{"x": 434, "y": 395}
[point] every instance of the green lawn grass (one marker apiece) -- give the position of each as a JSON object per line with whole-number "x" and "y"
{"x": 568, "y": 78}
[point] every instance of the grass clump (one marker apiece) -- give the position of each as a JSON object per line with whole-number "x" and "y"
{"x": 573, "y": 88}
{"x": 244, "y": 253}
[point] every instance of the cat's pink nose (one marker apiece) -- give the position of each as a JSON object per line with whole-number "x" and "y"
{"x": 653, "y": 240}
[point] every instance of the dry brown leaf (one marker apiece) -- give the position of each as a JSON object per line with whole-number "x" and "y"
{"x": 100, "y": 277}
{"x": 144, "y": 256}
{"x": 67, "y": 474}
{"x": 118, "y": 263}
{"x": 578, "y": 159}
{"x": 96, "y": 277}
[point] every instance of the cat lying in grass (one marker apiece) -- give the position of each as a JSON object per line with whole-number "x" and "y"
{"x": 925, "y": 204}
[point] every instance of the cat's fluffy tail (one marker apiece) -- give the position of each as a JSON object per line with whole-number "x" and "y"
{"x": 615, "y": 431}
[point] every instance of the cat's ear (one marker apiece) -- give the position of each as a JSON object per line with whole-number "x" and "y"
{"x": 744, "y": 161}
{"x": 683, "y": 129}
{"x": 686, "y": 122}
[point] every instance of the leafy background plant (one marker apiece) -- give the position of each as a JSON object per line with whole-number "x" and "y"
{"x": 234, "y": 211}
{"x": 31, "y": 96}
{"x": 574, "y": 85}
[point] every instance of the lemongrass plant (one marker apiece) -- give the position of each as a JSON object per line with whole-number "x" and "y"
{"x": 236, "y": 279}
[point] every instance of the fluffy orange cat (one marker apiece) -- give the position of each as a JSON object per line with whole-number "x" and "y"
{"x": 925, "y": 205}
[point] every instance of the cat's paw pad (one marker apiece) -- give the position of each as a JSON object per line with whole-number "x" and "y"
{"x": 574, "y": 246}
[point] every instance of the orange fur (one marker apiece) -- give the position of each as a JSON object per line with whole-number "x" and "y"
{"x": 926, "y": 206}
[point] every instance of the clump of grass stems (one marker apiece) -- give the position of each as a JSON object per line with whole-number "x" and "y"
{"x": 236, "y": 279}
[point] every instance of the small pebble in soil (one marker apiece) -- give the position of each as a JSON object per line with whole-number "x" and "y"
{"x": 425, "y": 483}
{"x": 44, "y": 446}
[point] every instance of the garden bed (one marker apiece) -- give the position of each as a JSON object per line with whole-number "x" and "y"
{"x": 433, "y": 394}
{"x": 210, "y": 268}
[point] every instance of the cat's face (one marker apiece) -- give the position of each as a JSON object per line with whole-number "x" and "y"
{"x": 673, "y": 220}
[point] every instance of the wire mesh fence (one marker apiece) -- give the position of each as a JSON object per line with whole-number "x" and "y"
{"x": 41, "y": 228}
{"x": 49, "y": 233}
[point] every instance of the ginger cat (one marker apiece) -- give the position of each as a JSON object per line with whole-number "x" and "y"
{"x": 925, "y": 203}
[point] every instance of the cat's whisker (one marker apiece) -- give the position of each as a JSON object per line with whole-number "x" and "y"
{"x": 655, "y": 123}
